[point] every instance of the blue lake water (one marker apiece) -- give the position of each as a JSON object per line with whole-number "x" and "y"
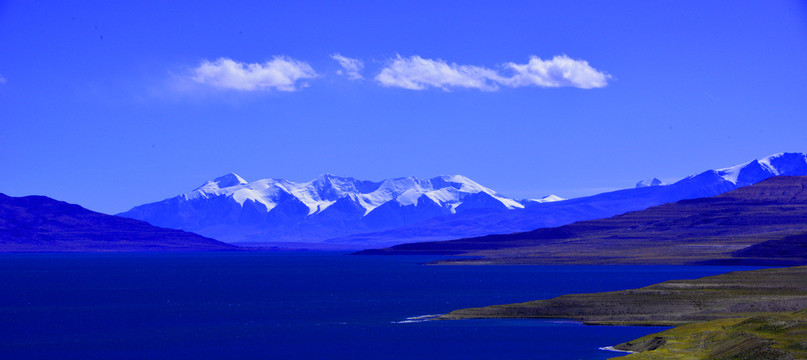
{"x": 296, "y": 305}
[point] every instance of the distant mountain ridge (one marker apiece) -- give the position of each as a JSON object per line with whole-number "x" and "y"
{"x": 705, "y": 184}
{"x": 231, "y": 209}
{"x": 759, "y": 223}
{"x": 42, "y": 224}
{"x": 359, "y": 214}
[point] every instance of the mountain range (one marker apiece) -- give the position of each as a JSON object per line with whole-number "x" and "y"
{"x": 359, "y": 214}
{"x": 705, "y": 184}
{"x": 231, "y": 209}
{"x": 42, "y": 224}
{"x": 761, "y": 223}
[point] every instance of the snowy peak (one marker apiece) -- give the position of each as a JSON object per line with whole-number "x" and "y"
{"x": 448, "y": 192}
{"x": 224, "y": 181}
{"x": 228, "y": 180}
{"x": 327, "y": 207}
{"x": 334, "y": 185}
{"x": 547, "y": 199}
{"x": 459, "y": 182}
{"x": 465, "y": 186}
{"x": 754, "y": 171}
{"x": 649, "y": 183}
{"x": 786, "y": 163}
{"x": 748, "y": 173}
{"x": 757, "y": 170}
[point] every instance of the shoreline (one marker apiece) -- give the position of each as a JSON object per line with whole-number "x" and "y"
{"x": 767, "y": 297}
{"x": 611, "y": 348}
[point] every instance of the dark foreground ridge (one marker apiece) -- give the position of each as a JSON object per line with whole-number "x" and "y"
{"x": 42, "y": 224}
{"x": 763, "y": 224}
{"x": 740, "y": 315}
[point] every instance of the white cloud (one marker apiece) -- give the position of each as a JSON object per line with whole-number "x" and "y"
{"x": 350, "y": 67}
{"x": 560, "y": 71}
{"x": 416, "y": 73}
{"x": 2, "y": 79}
{"x": 281, "y": 73}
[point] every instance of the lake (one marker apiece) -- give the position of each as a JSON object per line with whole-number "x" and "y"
{"x": 296, "y": 305}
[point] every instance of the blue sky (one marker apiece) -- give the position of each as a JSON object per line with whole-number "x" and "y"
{"x": 115, "y": 104}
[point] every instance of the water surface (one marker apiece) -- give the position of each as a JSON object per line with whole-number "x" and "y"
{"x": 296, "y": 305}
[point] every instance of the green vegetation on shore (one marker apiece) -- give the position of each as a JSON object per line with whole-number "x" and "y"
{"x": 766, "y": 336}
{"x": 739, "y": 315}
{"x": 675, "y": 302}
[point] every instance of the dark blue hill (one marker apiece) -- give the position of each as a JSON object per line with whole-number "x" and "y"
{"x": 42, "y": 224}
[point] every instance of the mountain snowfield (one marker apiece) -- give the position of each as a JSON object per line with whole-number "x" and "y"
{"x": 357, "y": 213}
{"x": 750, "y": 172}
{"x": 275, "y": 210}
{"x": 753, "y": 171}
{"x": 546, "y": 199}
{"x": 646, "y": 194}
{"x": 324, "y": 191}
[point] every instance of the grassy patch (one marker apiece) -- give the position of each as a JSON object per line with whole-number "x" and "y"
{"x": 677, "y": 302}
{"x": 770, "y": 336}
{"x": 739, "y": 315}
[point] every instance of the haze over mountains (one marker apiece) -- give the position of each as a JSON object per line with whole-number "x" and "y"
{"x": 356, "y": 213}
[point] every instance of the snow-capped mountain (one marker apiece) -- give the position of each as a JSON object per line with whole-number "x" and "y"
{"x": 232, "y": 209}
{"x": 650, "y": 182}
{"x": 748, "y": 173}
{"x": 545, "y": 199}
{"x": 361, "y": 214}
{"x": 755, "y": 171}
{"x": 540, "y": 215}
{"x": 448, "y": 192}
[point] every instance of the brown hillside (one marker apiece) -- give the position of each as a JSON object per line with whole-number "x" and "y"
{"x": 715, "y": 229}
